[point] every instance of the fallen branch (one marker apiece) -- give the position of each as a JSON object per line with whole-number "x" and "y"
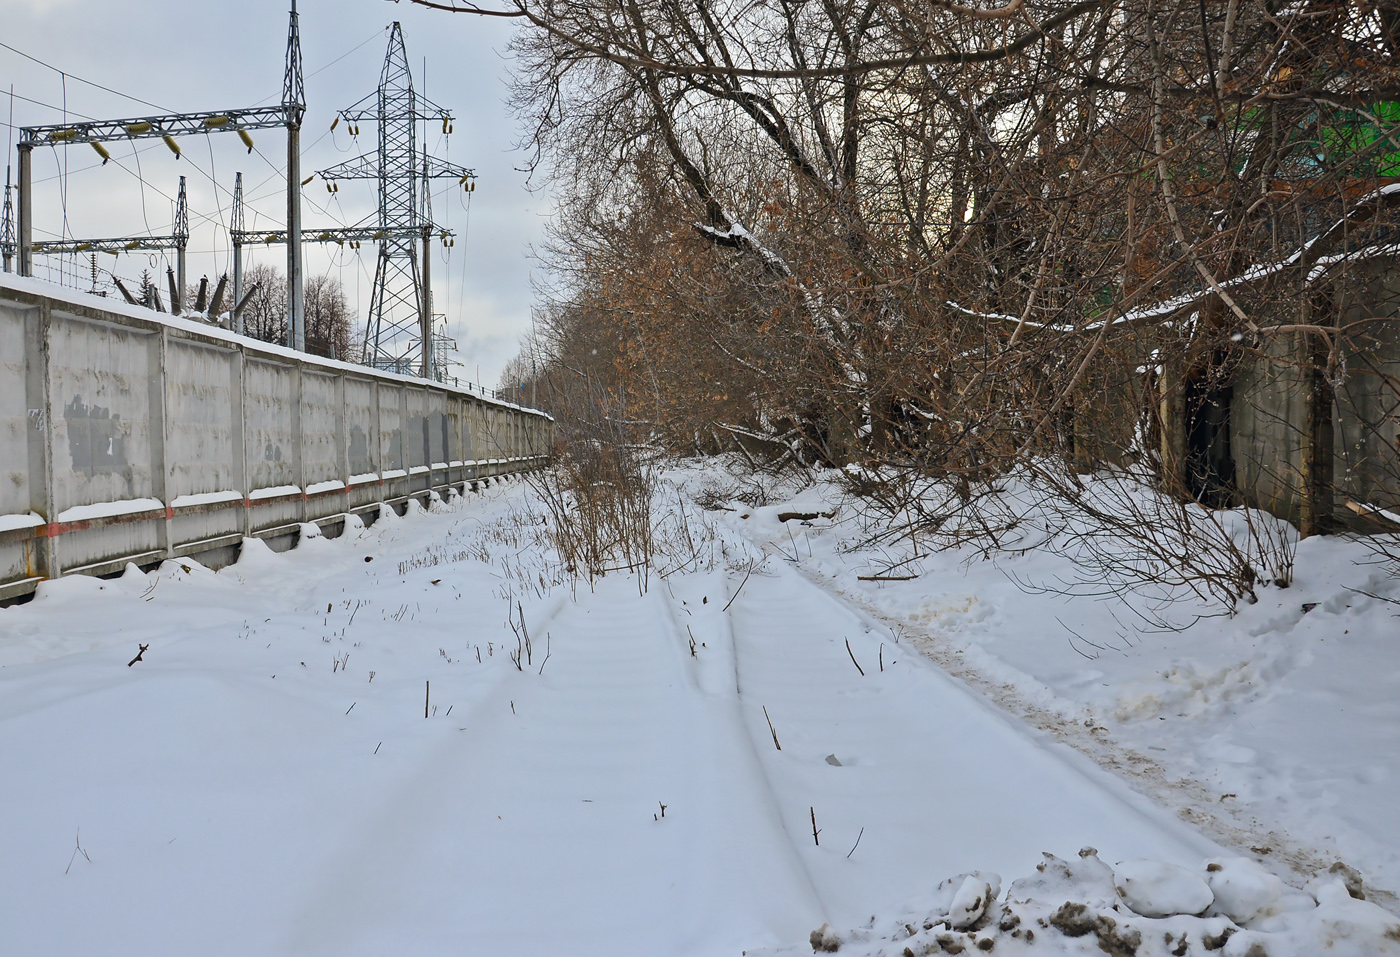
{"x": 886, "y": 578}
{"x": 138, "y": 657}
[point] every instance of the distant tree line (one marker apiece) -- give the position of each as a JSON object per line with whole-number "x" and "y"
{"x": 330, "y": 327}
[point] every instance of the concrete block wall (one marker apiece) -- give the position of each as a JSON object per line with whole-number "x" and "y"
{"x": 1269, "y": 410}
{"x": 129, "y": 436}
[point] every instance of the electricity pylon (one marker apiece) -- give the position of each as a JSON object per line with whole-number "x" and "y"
{"x": 399, "y": 332}
{"x": 7, "y": 226}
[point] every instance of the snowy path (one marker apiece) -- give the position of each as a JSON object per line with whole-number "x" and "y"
{"x": 239, "y": 791}
{"x": 940, "y": 781}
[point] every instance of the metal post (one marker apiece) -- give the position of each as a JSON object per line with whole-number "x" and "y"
{"x": 182, "y": 237}
{"x": 26, "y": 209}
{"x": 295, "y": 303}
{"x": 425, "y": 300}
{"x": 236, "y": 232}
{"x": 294, "y": 103}
{"x": 7, "y": 226}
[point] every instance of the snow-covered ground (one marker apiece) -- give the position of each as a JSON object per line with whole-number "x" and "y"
{"x": 1275, "y": 728}
{"x": 646, "y": 776}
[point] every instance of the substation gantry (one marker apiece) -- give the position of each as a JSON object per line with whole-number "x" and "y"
{"x": 170, "y": 128}
{"x": 400, "y": 331}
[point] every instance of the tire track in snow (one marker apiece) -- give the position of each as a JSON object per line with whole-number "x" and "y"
{"x": 941, "y": 781}
{"x": 1233, "y": 827}
{"x": 563, "y": 791}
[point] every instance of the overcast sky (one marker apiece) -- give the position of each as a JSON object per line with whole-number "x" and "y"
{"x": 194, "y": 55}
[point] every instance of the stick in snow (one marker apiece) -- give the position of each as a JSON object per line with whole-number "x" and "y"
{"x": 770, "y": 728}
{"x": 853, "y": 658}
{"x": 856, "y": 844}
{"x": 739, "y": 589}
{"x": 425, "y": 699}
{"x": 815, "y": 832}
{"x": 133, "y": 661}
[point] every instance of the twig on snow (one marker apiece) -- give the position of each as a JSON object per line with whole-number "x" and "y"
{"x": 853, "y": 658}
{"x": 770, "y": 729}
{"x": 740, "y": 588}
{"x": 77, "y": 849}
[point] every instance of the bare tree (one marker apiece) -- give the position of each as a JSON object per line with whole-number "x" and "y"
{"x": 329, "y": 330}
{"x": 967, "y": 242}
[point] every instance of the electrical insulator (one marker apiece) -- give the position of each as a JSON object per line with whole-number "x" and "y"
{"x": 334, "y": 123}
{"x": 174, "y": 146}
{"x": 136, "y": 129}
{"x": 101, "y": 151}
{"x": 247, "y": 140}
{"x": 445, "y": 121}
{"x": 308, "y": 179}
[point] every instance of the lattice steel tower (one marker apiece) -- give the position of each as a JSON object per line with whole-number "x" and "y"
{"x": 399, "y": 332}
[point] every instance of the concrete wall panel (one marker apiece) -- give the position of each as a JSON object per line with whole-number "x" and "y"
{"x": 100, "y": 414}
{"x": 163, "y": 431}
{"x": 320, "y": 444}
{"x": 199, "y": 417}
{"x": 391, "y": 439}
{"x": 14, "y": 414}
{"x": 269, "y": 394}
{"x": 417, "y": 432}
{"x": 111, "y": 543}
{"x": 359, "y": 425}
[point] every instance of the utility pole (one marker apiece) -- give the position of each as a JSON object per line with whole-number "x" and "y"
{"x": 294, "y": 103}
{"x": 236, "y": 234}
{"x": 182, "y": 241}
{"x": 26, "y": 208}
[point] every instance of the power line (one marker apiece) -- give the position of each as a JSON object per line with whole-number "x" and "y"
{"x": 107, "y": 89}
{"x": 48, "y": 106}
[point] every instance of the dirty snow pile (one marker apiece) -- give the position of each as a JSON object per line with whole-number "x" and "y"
{"x": 1231, "y": 907}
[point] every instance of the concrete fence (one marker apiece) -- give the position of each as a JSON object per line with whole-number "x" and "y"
{"x": 130, "y": 436}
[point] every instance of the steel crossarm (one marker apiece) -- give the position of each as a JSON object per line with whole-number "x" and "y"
{"x": 152, "y": 127}
{"x": 367, "y": 167}
{"x": 125, "y": 245}
{"x": 351, "y": 234}
{"x": 368, "y": 109}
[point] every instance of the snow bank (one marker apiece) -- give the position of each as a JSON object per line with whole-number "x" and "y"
{"x": 1224, "y": 908}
